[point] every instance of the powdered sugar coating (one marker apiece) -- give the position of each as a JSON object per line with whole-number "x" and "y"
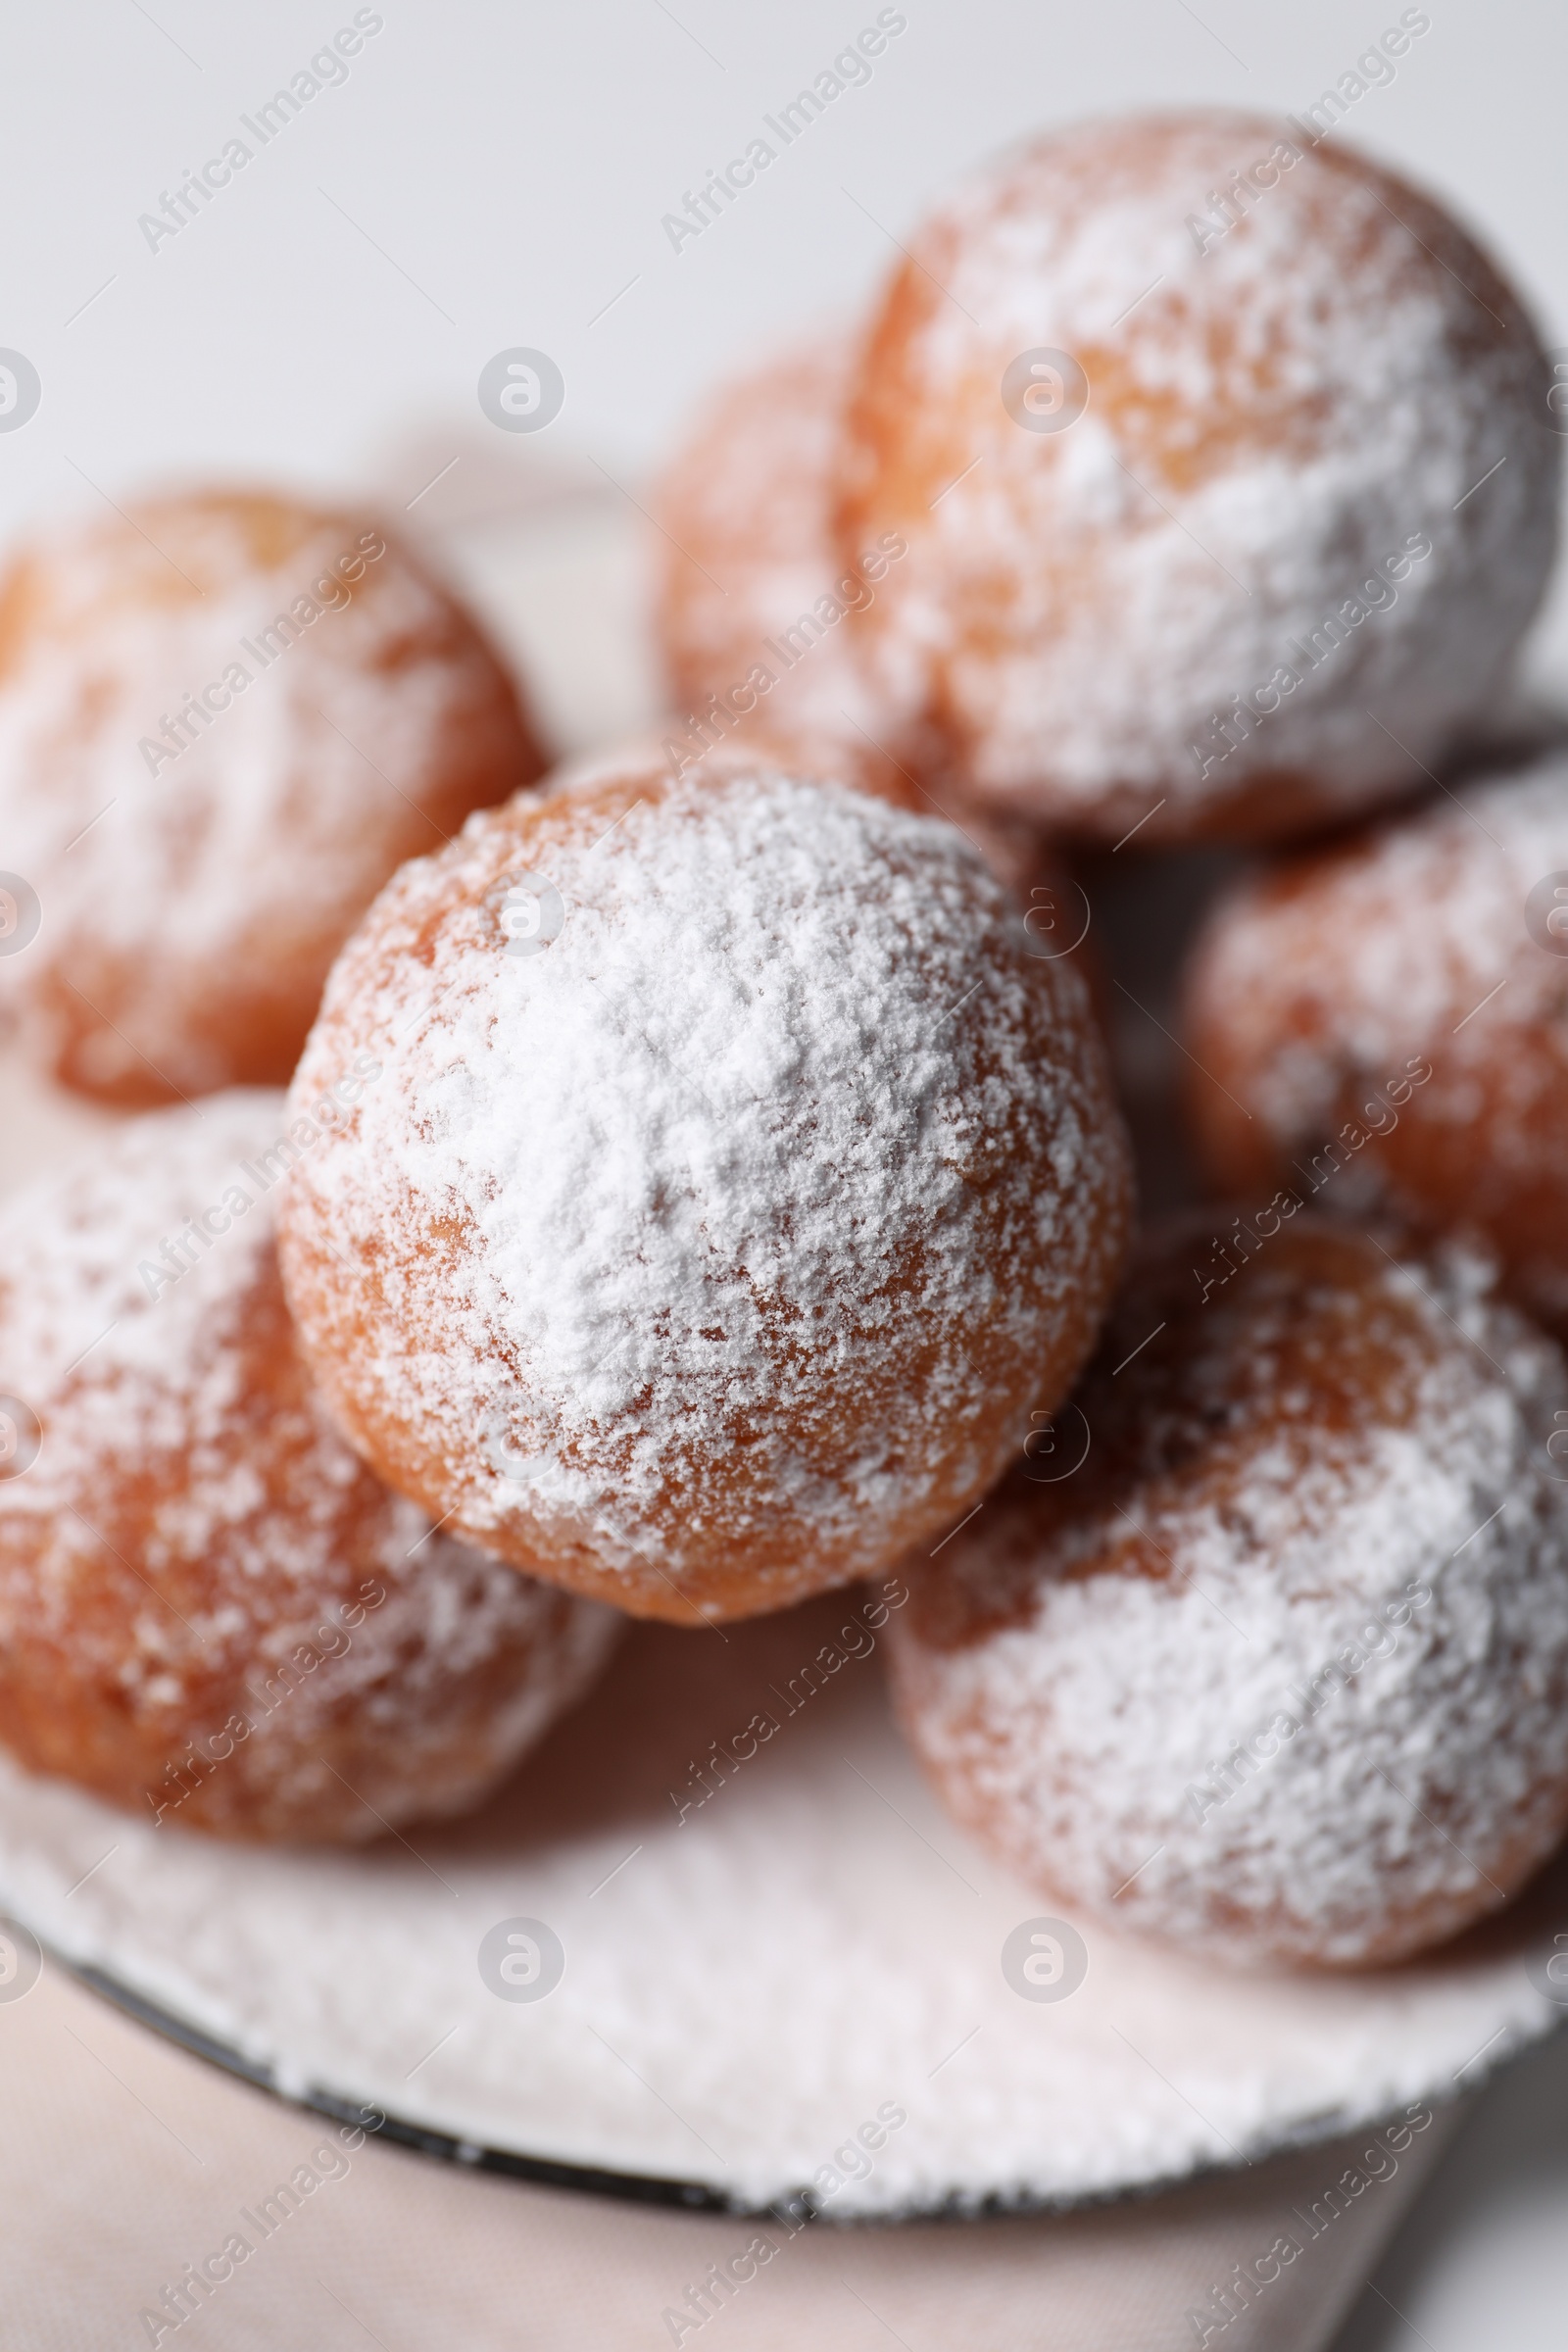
{"x": 757, "y": 616}
{"x": 1321, "y": 387}
{"x": 195, "y": 1548}
{"x": 198, "y": 861}
{"x": 748, "y": 552}
{"x": 709, "y": 1254}
{"x": 748, "y": 549}
{"x": 1411, "y": 949}
{"x": 1053, "y": 909}
{"x": 1284, "y": 1674}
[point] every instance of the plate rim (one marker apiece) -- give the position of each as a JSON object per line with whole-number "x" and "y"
{"x": 668, "y": 2192}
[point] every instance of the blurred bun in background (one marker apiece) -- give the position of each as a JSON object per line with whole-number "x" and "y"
{"x": 225, "y": 719}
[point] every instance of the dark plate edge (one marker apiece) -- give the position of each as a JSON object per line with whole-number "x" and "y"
{"x": 791, "y": 2212}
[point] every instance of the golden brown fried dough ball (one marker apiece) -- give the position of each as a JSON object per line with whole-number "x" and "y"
{"x": 754, "y": 608}
{"x": 1387, "y": 1023}
{"x": 209, "y": 1610}
{"x": 738, "y": 1183}
{"x": 758, "y": 619}
{"x": 225, "y": 719}
{"x": 1265, "y": 1648}
{"x": 1225, "y": 471}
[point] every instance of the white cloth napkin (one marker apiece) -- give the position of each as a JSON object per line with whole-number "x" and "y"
{"x": 129, "y": 2169}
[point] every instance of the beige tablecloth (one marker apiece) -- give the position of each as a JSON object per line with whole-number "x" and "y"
{"x": 126, "y": 2165}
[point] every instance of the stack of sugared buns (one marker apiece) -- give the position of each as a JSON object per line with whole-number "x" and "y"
{"x": 704, "y": 1182}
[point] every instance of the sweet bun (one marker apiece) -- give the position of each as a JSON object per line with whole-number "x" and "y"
{"x": 1226, "y": 474}
{"x": 757, "y": 621}
{"x": 210, "y": 1611}
{"x": 738, "y": 1183}
{"x": 753, "y": 608}
{"x": 1266, "y": 1650}
{"x": 1383, "y": 1024}
{"x": 225, "y": 719}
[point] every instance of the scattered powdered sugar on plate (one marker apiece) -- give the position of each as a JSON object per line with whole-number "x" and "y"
{"x": 748, "y": 1207}
{"x": 745, "y": 1986}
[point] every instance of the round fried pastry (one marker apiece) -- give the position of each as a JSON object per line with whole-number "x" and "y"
{"x": 1266, "y": 1647}
{"x": 210, "y": 1612}
{"x": 1226, "y": 478}
{"x": 225, "y": 719}
{"x": 739, "y": 1181}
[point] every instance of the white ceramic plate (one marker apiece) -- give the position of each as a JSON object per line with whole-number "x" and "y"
{"x": 796, "y": 1986}
{"x": 745, "y": 1986}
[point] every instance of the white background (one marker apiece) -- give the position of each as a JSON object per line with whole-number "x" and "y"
{"x": 515, "y": 161}
{"x": 496, "y": 175}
